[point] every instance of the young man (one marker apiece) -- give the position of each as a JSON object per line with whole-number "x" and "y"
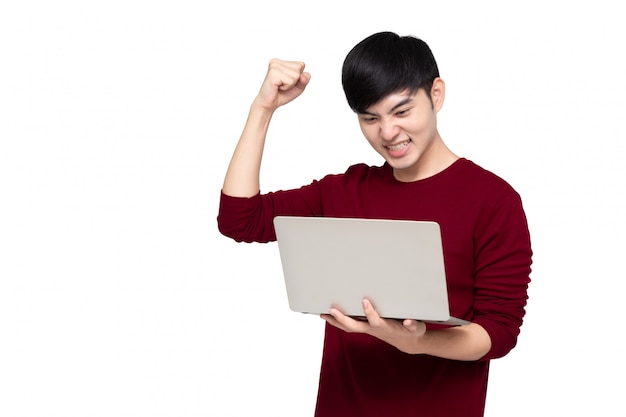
{"x": 398, "y": 368}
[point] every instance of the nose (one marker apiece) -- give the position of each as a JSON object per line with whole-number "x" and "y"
{"x": 388, "y": 129}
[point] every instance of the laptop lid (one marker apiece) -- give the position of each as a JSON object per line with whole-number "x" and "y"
{"x": 397, "y": 264}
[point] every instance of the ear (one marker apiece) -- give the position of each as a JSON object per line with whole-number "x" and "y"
{"x": 438, "y": 93}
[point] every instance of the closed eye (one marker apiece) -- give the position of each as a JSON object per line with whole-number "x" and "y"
{"x": 368, "y": 119}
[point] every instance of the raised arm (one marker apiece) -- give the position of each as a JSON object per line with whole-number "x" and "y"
{"x": 285, "y": 80}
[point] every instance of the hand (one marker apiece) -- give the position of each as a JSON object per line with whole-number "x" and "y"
{"x": 405, "y": 335}
{"x": 285, "y": 80}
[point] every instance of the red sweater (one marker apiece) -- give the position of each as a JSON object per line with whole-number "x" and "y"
{"x": 487, "y": 255}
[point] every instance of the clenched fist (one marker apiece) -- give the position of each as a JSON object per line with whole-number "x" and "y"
{"x": 285, "y": 80}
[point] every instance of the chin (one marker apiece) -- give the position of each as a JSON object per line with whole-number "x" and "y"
{"x": 401, "y": 164}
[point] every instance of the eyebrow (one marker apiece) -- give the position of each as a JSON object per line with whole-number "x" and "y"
{"x": 401, "y": 103}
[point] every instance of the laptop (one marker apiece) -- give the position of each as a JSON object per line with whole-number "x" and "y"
{"x": 336, "y": 262}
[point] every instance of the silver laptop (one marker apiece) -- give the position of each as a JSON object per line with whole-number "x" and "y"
{"x": 336, "y": 262}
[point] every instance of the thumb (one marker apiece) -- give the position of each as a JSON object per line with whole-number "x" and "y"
{"x": 304, "y": 80}
{"x": 301, "y": 83}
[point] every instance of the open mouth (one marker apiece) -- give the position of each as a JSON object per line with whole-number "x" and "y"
{"x": 398, "y": 147}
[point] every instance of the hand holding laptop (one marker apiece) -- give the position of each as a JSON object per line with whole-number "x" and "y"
{"x": 403, "y": 334}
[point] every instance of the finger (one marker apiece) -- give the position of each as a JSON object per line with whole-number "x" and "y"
{"x": 293, "y": 81}
{"x": 414, "y": 326}
{"x": 286, "y": 74}
{"x": 285, "y": 80}
{"x": 304, "y": 79}
{"x": 370, "y": 312}
{"x": 411, "y": 325}
{"x": 343, "y": 322}
{"x": 337, "y": 315}
{"x": 330, "y": 319}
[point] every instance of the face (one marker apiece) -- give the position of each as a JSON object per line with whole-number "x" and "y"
{"x": 402, "y": 128}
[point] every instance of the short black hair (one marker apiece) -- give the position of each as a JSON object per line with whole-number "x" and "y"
{"x": 386, "y": 63}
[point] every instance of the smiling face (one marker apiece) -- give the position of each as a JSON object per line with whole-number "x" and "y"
{"x": 402, "y": 128}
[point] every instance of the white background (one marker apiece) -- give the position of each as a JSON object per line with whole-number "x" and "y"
{"x": 118, "y": 296}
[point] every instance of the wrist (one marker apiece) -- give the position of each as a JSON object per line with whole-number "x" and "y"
{"x": 257, "y": 107}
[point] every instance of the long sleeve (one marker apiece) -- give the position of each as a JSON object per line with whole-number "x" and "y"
{"x": 502, "y": 253}
{"x": 251, "y": 219}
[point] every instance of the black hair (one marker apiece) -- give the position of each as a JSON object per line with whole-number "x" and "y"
{"x": 386, "y": 63}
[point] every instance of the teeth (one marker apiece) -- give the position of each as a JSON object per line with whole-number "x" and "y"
{"x": 398, "y": 146}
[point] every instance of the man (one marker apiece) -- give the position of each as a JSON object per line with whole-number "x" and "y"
{"x": 382, "y": 367}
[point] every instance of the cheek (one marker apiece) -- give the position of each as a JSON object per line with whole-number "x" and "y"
{"x": 421, "y": 126}
{"x": 369, "y": 132}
